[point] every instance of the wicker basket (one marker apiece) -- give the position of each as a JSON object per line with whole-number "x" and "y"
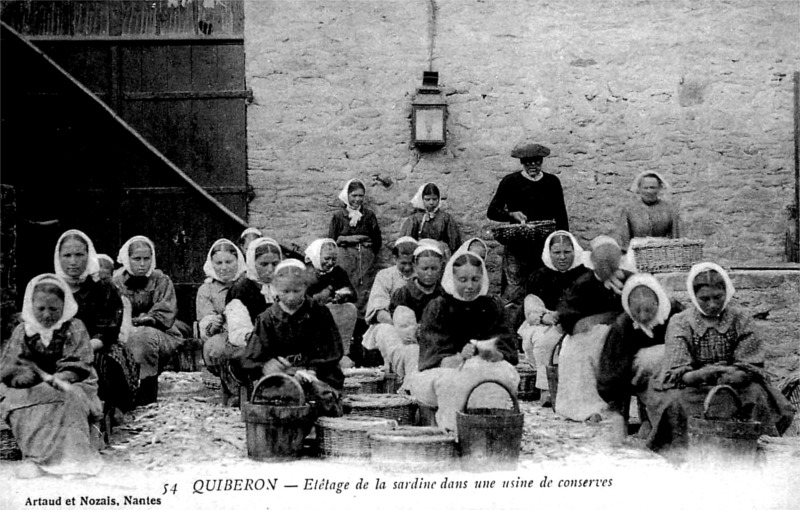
{"x": 527, "y": 389}
{"x": 659, "y": 255}
{"x": 393, "y": 407}
{"x": 9, "y": 450}
{"x": 370, "y": 380}
{"x": 529, "y": 232}
{"x": 210, "y": 381}
{"x": 346, "y": 437}
{"x": 390, "y": 383}
{"x": 413, "y": 449}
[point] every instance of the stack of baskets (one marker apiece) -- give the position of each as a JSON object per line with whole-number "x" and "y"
{"x": 530, "y": 232}
{"x": 346, "y": 437}
{"x": 393, "y": 407}
{"x": 661, "y": 255}
{"x": 9, "y": 450}
{"x": 413, "y": 449}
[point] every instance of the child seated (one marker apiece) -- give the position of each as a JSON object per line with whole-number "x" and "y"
{"x": 49, "y": 388}
{"x": 297, "y": 336}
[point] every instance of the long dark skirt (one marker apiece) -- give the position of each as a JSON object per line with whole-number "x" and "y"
{"x": 118, "y": 376}
{"x": 670, "y": 410}
{"x": 51, "y": 426}
{"x": 359, "y": 263}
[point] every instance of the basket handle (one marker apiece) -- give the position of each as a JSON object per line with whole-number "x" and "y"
{"x": 556, "y": 347}
{"x": 713, "y": 393}
{"x": 292, "y": 381}
{"x": 511, "y": 393}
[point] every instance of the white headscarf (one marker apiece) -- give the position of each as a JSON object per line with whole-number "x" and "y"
{"x": 648, "y": 173}
{"x": 289, "y": 263}
{"x": 547, "y": 259}
{"x": 448, "y": 278}
{"x": 208, "y": 267}
{"x": 252, "y": 273}
{"x": 418, "y": 203}
{"x": 423, "y": 247}
{"x": 464, "y": 248}
{"x": 353, "y": 214}
{"x": 124, "y": 256}
{"x": 314, "y": 252}
{"x": 33, "y": 326}
{"x": 664, "y": 305}
{"x": 92, "y": 265}
{"x": 250, "y": 230}
{"x": 250, "y": 258}
{"x": 103, "y": 256}
{"x": 404, "y": 240}
{"x": 706, "y": 266}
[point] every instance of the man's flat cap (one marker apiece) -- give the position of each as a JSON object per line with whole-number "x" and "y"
{"x": 532, "y": 150}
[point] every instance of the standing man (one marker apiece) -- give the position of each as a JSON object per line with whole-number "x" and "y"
{"x": 527, "y": 195}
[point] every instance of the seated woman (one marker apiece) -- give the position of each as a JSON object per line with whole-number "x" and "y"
{"x": 49, "y": 390}
{"x": 586, "y": 312}
{"x": 100, "y": 310}
{"x": 223, "y": 266}
{"x": 541, "y": 329}
{"x": 396, "y": 341}
{"x": 708, "y": 344}
{"x": 329, "y": 285}
{"x": 634, "y": 348}
{"x": 389, "y": 280}
{"x": 648, "y": 215}
{"x": 424, "y": 286}
{"x": 252, "y": 293}
{"x": 154, "y": 306}
{"x": 428, "y": 221}
{"x": 463, "y": 340}
{"x": 297, "y": 336}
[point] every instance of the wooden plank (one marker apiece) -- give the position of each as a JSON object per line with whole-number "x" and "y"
{"x": 204, "y": 67}
{"x": 230, "y": 67}
{"x": 89, "y": 64}
{"x": 219, "y": 190}
{"x": 178, "y": 95}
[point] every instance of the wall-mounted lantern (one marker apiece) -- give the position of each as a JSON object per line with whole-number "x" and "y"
{"x": 429, "y": 113}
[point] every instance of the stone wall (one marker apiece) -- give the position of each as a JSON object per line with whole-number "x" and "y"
{"x": 772, "y": 298}
{"x": 698, "y": 91}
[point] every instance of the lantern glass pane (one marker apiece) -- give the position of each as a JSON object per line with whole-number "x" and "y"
{"x": 429, "y": 125}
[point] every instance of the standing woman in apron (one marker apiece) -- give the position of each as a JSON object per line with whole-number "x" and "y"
{"x": 358, "y": 236}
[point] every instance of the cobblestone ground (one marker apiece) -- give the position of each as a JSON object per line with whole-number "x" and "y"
{"x": 189, "y": 436}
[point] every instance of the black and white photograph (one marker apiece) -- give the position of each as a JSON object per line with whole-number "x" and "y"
{"x": 400, "y": 254}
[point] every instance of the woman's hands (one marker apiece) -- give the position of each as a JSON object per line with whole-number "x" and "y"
{"x": 275, "y": 366}
{"x": 549, "y": 318}
{"x": 214, "y": 324}
{"x": 716, "y": 374}
{"x": 143, "y": 320}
